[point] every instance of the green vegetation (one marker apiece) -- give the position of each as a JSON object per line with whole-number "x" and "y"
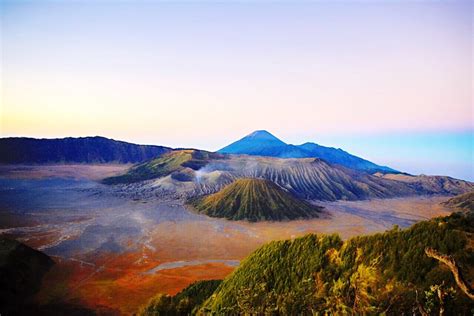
{"x": 164, "y": 165}
{"x": 463, "y": 202}
{"x": 183, "y": 303}
{"x": 254, "y": 200}
{"x": 382, "y": 273}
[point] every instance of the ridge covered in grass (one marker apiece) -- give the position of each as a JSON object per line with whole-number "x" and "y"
{"x": 164, "y": 165}
{"x": 380, "y": 273}
{"x": 254, "y": 200}
{"x": 184, "y": 303}
{"x": 387, "y": 273}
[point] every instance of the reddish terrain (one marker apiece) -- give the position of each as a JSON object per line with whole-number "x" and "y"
{"x": 106, "y": 247}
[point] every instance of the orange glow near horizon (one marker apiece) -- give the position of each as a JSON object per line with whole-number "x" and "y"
{"x": 202, "y": 75}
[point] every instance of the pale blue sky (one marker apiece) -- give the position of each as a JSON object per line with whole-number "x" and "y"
{"x": 432, "y": 153}
{"x": 390, "y": 81}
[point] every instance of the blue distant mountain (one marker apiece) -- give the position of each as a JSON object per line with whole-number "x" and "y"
{"x": 262, "y": 143}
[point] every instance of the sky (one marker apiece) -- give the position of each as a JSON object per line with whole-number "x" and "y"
{"x": 390, "y": 81}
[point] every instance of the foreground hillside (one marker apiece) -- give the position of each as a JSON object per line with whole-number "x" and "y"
{"x": 21, "y": 271}
{"x": 183, "y": 303}
{"x": 254, "y": 200}
{"x": 396, "y": 272}
{"x": 365, "y": 274}
{"x": 22, "y": 150}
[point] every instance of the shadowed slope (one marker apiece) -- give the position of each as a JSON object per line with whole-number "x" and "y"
{"x": 21, "y": 271}
{"x": 17, "y": 150}
{"x": 464, "y": 202}
{"x": 254, "y": 200}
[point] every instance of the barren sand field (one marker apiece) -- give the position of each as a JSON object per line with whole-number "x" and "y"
{"x": 75, "y": 171}
{"x": 114, "y": 253}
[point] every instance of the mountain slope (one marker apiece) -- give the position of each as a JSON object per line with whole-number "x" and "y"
{"x": 182, "y": 303}
{"x": 308, "y": 178}
{"x": 431, "y": 184}
{"x": 463, "y": 202}
{"x": 18, "y": 150}
{"x": 173, "y": 162}
{"x": 262, "y": 143}
{"x": 254, "y": 200}
{"x": 341, "y": 157}
{"x": 257, "y": 143}
{"x": 21, "y": 271}
{"x": 365, "y": 275}
{"x": 316, "y": 179}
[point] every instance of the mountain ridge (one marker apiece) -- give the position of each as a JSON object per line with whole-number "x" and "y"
{"x": 330, "y": 273}
{"x": 307, "y": 178}
{"x": 173, "y": 162}
{"x": 91, "y": 149}
{"x": 387, "y": 273}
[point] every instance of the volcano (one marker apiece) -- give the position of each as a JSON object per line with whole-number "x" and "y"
{"x": 254, "y": 200}
{"x": 263, "y": 143}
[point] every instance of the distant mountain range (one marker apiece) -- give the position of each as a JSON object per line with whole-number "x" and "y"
{"x": 17, "y": 150}
{"x": 194, "y": 173}
{"x": 334, "y": 175}
{"x": 262, "y": 143}
{"x": 23, "y": 150}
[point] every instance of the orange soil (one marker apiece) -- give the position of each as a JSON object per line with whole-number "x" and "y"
{"x": 118, "y": 282}
{"x": 119, "y": 289}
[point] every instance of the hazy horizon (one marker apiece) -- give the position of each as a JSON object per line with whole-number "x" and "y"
{"x": 388, "y": 81}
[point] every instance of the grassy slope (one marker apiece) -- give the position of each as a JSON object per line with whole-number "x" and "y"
{"x": 182, "y": 303}
{"x": 254, "y": 200}
{"x": 162, "y": 166}
{"x": 318, "y": 273}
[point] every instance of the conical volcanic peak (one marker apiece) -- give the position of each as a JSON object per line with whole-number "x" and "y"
{"x": 263, "y": 135}
{"x": 263, "y": 143}
{"x": 254, "y": 200}
{"x": 256, "y": 143}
